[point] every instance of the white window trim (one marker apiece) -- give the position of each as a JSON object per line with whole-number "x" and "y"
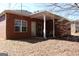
{"x": 21, "y": 25}
{"x": 24, "y": 26}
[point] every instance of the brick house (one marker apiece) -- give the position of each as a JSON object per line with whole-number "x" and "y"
{"x": 21, "y": 24}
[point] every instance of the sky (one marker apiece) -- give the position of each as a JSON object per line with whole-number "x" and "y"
{"x": 25, "y": 6}
{"x": 37, "y": 6}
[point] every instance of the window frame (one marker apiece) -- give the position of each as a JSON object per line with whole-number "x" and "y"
{"x": 26, "y": 25}
{"x": 21, "y": 25}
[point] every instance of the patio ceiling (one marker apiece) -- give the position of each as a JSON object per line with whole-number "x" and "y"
{"x": 48, "y": 15}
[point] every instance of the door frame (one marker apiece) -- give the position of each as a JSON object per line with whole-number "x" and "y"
{"x": 33, "y": 28}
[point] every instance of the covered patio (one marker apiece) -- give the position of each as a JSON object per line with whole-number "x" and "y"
{"x": 49, "y": 23}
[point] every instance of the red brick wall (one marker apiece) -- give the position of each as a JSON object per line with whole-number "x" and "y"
{"x": 63, "y": 28}
{"x": 10, "y": 26}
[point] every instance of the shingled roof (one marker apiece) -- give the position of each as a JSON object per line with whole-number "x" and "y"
{"x": 19, "y": 12}
{"x": 34, "y": 15}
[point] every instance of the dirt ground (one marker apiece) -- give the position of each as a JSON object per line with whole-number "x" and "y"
{"x": 50, "y": 47}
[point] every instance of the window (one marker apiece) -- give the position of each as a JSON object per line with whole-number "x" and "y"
{"x": 17, "y": 25}
{"x": 24, "y": 26}
{"x": 21, "y": 26}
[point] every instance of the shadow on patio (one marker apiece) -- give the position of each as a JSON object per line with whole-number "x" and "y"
{"x": 31, "y": 40}
{"x": 36, "y": 39}
{"x": 69, "y": 38}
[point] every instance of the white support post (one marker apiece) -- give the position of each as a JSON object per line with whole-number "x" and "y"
{"x": 53, "y": 26}
{"x": 21, "y": 26}
{"x": 44, "y": 29}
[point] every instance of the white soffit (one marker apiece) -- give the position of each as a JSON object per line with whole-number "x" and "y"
{"x": 49, "y": 15}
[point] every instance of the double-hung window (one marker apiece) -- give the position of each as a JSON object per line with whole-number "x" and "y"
{"x": 21, "y": 26}
{"x": 24, "y": 26}
{"x": 17, "y": 25}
